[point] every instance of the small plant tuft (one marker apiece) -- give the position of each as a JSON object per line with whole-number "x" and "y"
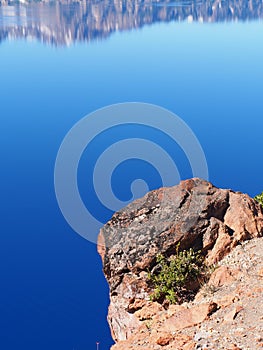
{"x": 171, "y": 276}
{"x": 148, "y": 324}
{"x": 259, "y": 198}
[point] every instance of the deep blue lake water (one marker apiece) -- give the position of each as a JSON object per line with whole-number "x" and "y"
{"x": 62, "y": 61}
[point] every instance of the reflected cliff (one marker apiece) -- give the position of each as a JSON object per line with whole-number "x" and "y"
{"x": 64, "y": 22}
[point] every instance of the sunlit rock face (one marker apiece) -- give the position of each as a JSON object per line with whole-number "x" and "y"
{"x": 195, "y": 214}
{"x": 64, "y": 22}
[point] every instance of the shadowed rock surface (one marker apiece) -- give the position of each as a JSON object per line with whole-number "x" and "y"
{"x": 194, "y": 213}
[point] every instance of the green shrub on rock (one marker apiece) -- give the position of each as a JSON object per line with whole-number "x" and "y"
{"x": 259, "y": 198}
{"x": 171, "y": 276}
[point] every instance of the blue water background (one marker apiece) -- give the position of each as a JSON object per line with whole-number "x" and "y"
{"x": 53, "y": 293}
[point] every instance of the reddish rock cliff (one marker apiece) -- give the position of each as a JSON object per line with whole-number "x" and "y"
{"x": 194, "y": 213}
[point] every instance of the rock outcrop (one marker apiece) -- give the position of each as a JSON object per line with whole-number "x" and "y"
{"x": 194, "y": 213}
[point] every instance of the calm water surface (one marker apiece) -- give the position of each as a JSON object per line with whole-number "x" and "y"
{"x": 58, "y": 62}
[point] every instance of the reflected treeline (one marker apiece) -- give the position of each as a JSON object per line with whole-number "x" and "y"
{"x": 63, "y": 22}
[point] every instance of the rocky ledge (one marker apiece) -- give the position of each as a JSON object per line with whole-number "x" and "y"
{"x": 197, "y": 215}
